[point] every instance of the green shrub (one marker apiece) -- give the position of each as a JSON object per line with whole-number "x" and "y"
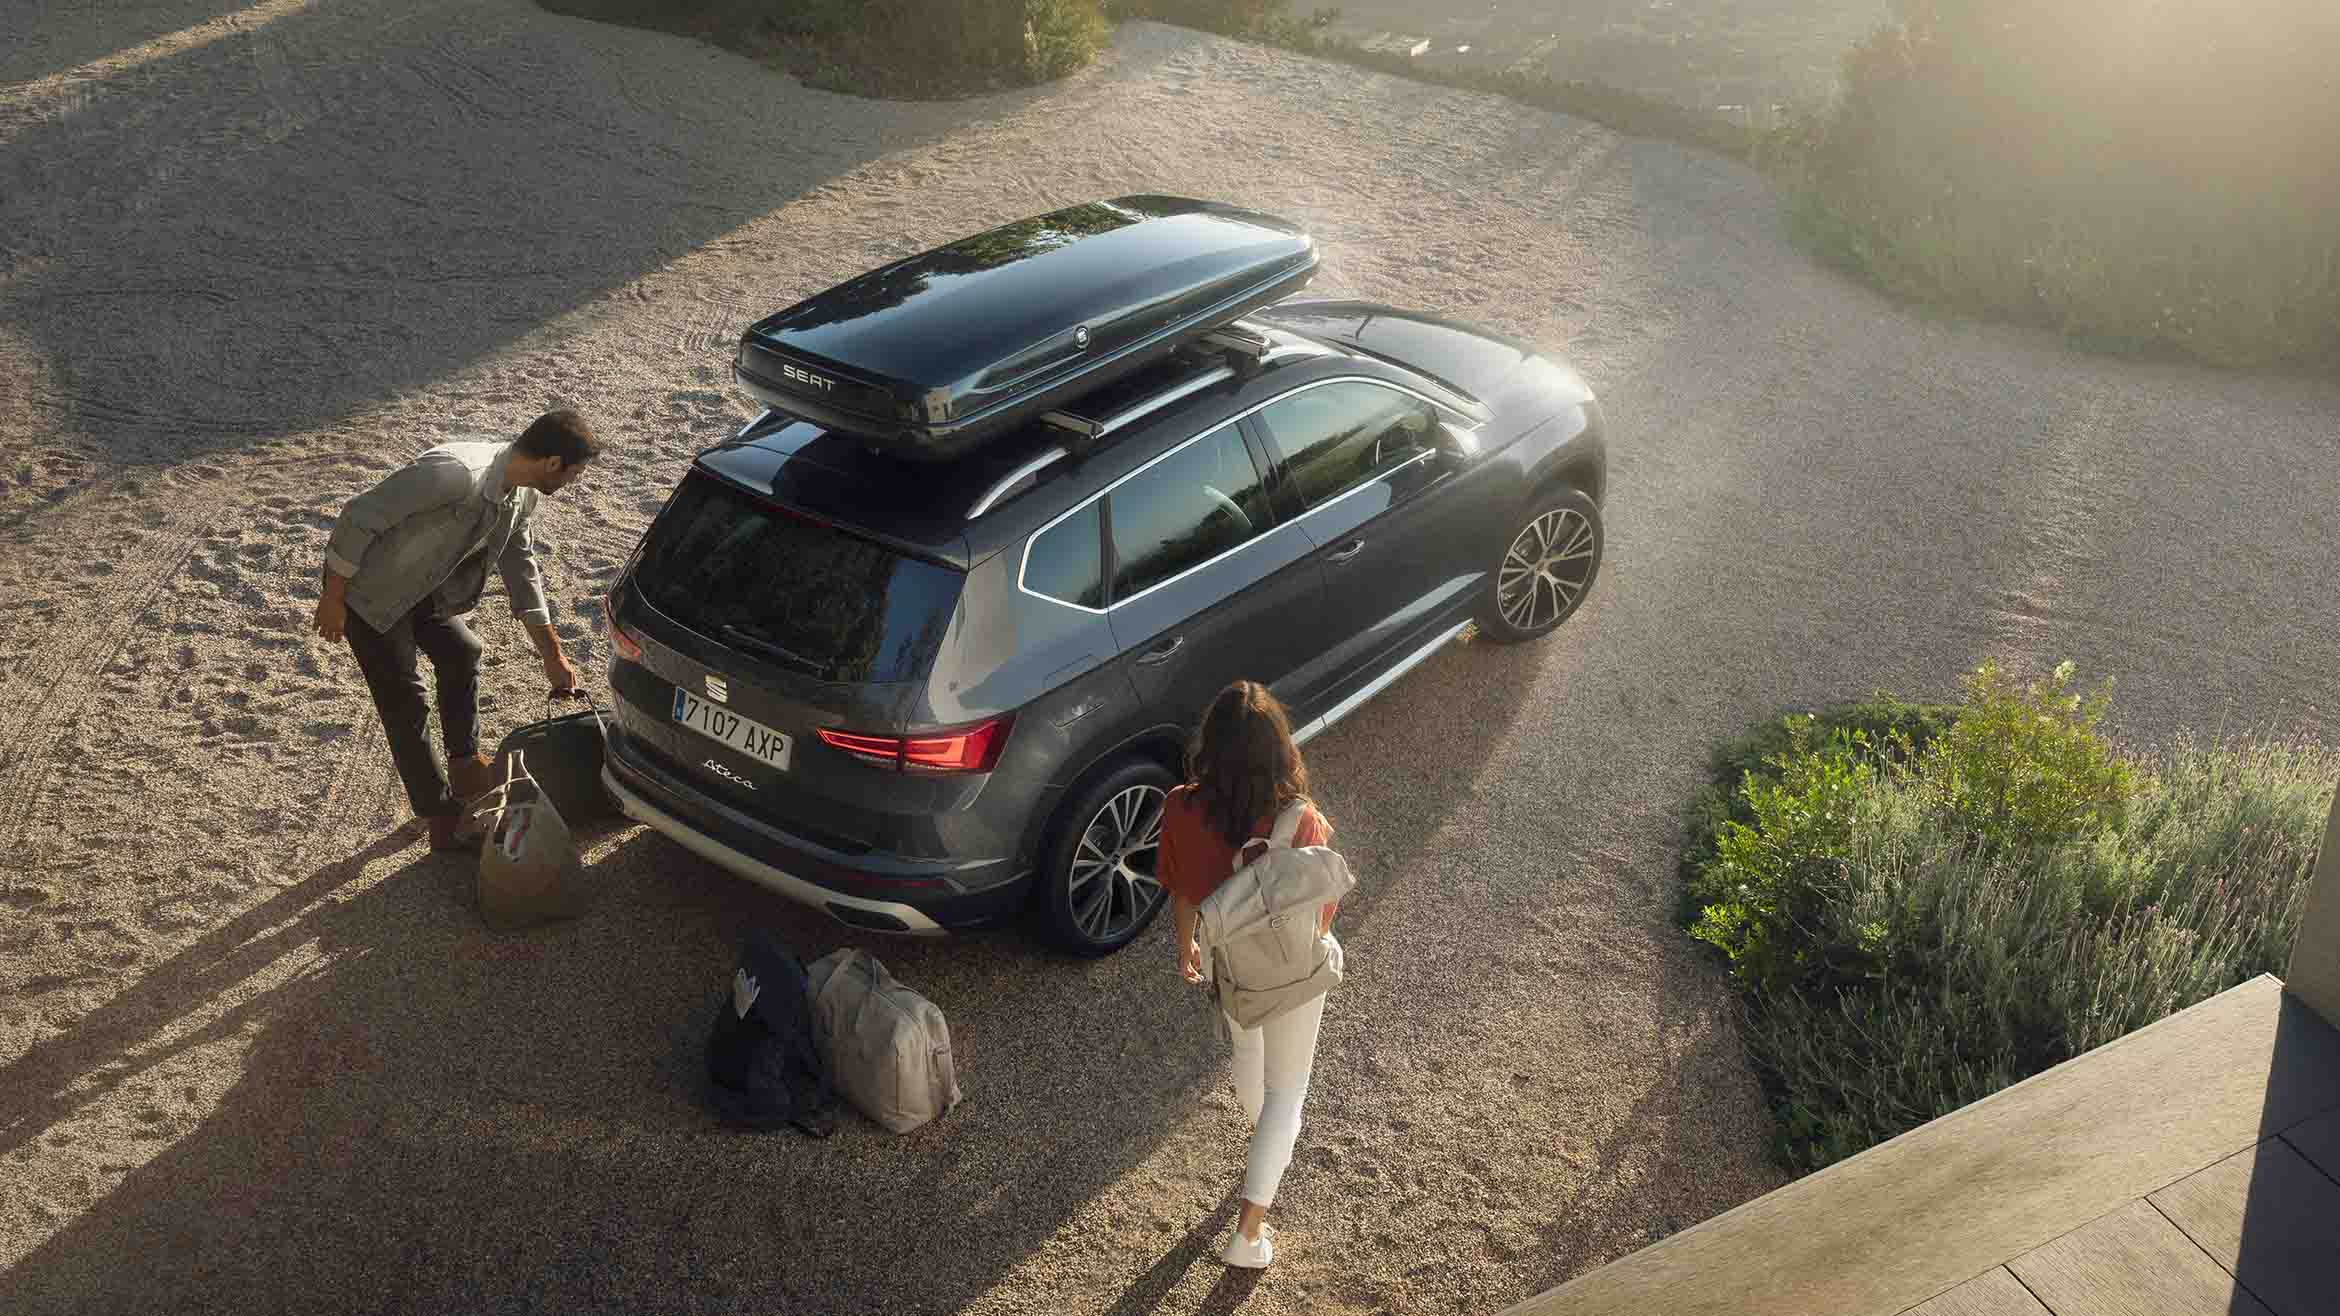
{"x": 1027, "y": 40}
{"x": 1998, "y": 966}
{"x": 1887, "y": 728}
{"x": 902, "y": 48}
{"x": 2026, "y": 767}
{"x": 2140, "y": 174}
{"x": 1769, "y": 876}
{"x": 1916, "y": 927}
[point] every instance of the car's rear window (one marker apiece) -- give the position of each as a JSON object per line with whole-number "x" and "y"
{"x": 792, "y": 593}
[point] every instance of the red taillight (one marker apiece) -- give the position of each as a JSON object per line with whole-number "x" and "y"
{"x": 975, "y": 749}
{"x": 877, "y": 749}
{"x": 972, "y": 750}
{"x": 627, "y": 646}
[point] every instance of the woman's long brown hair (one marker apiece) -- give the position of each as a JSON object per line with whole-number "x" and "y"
{"x": 1243, "y": 763}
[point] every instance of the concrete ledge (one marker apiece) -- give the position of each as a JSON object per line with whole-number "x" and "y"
{"x": 1909, "y": 1219}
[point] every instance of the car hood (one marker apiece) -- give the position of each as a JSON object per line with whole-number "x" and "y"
{"x": 1509, "y": 377}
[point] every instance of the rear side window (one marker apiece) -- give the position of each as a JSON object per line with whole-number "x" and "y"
{"x": 1066, "y": 563}
{"x": 1184, "y": 510}
{"x": 1339, "y": 436}
{"x": 792, "y": 593}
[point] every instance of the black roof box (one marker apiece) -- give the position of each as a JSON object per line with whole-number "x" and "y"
{"x": 935, "y": 354}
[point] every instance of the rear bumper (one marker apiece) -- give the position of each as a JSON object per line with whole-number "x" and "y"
{"x": 878, "y": 913}
{"x": 962, "y": 896}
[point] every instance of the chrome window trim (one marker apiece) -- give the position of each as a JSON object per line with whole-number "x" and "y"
{"x": 1025, "y": 562}
{"x": 1135, "y": 411}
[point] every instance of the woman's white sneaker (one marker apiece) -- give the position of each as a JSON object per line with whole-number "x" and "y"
{"x": 1252, "y": 1254}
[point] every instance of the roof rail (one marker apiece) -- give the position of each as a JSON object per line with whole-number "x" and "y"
{"x": 1015, "y": 482}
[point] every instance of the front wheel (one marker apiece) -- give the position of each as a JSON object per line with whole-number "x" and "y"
{"x": 1548, "y": 565}
{"x": 1100, "y": 886}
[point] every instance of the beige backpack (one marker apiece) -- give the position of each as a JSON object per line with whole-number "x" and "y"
{"x": 1259, "y": 927}
{"x": 887, "y": 1047}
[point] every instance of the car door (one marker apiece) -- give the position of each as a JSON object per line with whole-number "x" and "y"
{"x": 1207, "y": 585}
{"x": 1399, "y": 551}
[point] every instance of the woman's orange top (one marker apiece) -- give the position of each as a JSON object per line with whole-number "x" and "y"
{"x": 1194, "y": 858}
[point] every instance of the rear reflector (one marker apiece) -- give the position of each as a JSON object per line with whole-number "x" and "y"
{"x": 975, "y": 749}
{"x": 627, "y": 646}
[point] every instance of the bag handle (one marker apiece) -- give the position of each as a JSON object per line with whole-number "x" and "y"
{"x": 552, "y": 702}
{"x": 494, "y": 800}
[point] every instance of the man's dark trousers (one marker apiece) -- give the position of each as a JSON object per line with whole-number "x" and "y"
{"x": 388, "y": 660}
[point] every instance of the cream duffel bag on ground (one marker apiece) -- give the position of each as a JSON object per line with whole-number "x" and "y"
{"x": 888, "y": 1049}
{"x": 528, "y": 871}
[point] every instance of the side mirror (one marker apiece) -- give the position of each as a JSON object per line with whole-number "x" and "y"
{"x": 1455, "y": 439}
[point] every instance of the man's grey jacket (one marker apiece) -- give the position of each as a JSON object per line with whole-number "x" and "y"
{"x": 431, "y": 529}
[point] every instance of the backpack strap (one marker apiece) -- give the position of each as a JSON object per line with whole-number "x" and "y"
{"x": 1287, "y": 827}
{"x": 1288, "y": 823}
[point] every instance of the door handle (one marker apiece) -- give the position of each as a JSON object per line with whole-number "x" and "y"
{"x": 1161, "y": 653}
{"x": 1346, "y": 551}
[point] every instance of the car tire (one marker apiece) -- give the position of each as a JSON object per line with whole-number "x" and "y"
{"x": 1098, "y": 889}
{"x": 1547, "y": 563}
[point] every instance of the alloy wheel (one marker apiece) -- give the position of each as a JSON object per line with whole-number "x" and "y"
{"x": 1546, "y": 570}
{"x": 1113, "y": 884}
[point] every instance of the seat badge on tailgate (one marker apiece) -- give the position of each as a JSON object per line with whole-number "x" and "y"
{"x": 718, "y": 689}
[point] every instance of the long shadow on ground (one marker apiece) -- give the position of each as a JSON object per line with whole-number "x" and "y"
{"x": 333, "y": 205}
{"x": 445, "y": 1119}
{"x": 442, "y": 1118}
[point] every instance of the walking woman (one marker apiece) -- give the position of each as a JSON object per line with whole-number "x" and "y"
{"x": 1243, "y": 770}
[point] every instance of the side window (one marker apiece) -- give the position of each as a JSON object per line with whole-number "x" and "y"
{"x": 1340, "y": 436}
{"x": 1184, "y": 510}
{"x": 1066, "y": 563}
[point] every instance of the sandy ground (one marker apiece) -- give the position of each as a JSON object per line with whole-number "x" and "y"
{"x": 258, "y": 1054}
{"x": 1700, "y": 53}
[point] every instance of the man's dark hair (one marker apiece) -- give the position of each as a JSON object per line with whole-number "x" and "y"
{"x": 563, "y": 434}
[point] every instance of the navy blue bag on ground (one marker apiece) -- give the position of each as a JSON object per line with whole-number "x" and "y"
{"x": 564, "y": 756}
{"x": 765, "y": 1070}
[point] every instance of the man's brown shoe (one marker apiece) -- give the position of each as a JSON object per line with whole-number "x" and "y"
{"x": 455, "y": 831}
{"x": 469, "y": 778}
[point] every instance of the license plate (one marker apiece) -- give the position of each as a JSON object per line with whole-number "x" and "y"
{"x": 729, "y": 729}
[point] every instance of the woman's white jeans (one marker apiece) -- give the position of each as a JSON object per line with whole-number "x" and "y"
{"x": 1272, "y": 1064}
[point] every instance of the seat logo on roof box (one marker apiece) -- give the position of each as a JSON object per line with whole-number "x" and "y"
{"x": 806, "y": 377}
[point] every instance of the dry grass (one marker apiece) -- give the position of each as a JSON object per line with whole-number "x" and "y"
{"x": 2148, "y": 176}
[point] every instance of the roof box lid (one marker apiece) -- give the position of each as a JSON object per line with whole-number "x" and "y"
{"x": 939, "y": 350}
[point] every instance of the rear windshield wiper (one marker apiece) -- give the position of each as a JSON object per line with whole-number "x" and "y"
{"x": 749, "y": 640}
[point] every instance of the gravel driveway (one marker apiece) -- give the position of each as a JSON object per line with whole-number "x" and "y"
{"x": 256, "y": 1052}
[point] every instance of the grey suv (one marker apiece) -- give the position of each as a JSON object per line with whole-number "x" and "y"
{"x": 926, "y": 693}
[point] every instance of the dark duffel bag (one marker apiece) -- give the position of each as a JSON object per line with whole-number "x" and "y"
{"x": 564, "y": 756}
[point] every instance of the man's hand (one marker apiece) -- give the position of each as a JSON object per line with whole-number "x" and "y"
{"x": 557, "y": 668}
{"x": 561, "y": 672}
{"x": 332, "y": 612}
{"x": 1190, "y": 961}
